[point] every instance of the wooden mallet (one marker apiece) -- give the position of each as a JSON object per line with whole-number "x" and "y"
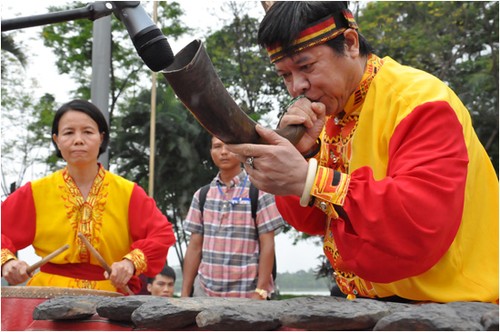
{"x": 101, "y": 260}
{"x": 46, "y": 259}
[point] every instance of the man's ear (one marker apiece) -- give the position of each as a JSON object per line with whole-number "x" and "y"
{"x": 352, "y": 42}
{"x": 149, "y": 286}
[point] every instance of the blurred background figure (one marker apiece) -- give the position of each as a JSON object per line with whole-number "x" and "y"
{"x": 163, "y": 284}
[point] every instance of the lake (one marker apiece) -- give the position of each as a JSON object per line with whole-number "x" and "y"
{"x": 305, "y": 292}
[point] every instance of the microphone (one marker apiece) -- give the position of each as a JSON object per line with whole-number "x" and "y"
{"x": 148, "y": 40}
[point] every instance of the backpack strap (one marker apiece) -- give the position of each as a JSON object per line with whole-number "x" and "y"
{"x": 254, "y": 201}
{"x": 203, "y": 196}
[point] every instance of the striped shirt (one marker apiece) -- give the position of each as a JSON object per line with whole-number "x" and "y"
{"x": 230, "y": 254}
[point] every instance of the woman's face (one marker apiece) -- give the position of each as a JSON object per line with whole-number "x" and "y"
{"x": 78, "y": 138}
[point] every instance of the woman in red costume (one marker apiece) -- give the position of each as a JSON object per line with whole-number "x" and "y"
{"x": 115, "y": 215}
{"x": 390, "y": 171}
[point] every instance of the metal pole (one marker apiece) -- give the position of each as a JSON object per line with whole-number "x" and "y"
{"x": 101, "y": 62}
{"x": 152, "y": 125}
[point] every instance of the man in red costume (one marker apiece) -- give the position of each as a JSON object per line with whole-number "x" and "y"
{"x": 390, "y": 171}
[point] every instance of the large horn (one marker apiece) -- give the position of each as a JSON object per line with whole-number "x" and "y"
{"x": 194, "y": 80}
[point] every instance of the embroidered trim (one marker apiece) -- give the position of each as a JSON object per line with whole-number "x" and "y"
{"x": 85, "y": 216}
{"x": 335, "y": 157}
{"x": 327, "y": 192}
{"x": 314, "y": 34}
{"x": 7, "y": 255}
{"x": 139, "y": 260}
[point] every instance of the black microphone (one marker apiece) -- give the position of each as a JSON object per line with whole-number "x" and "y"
{"x": 148, "y": 40}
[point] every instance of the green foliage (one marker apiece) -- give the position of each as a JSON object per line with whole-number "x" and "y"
{"x": 182, "y": 156}
{"x": 26, "y": 139}
{"x": 243, "y": 66}
{"x": 71, "y": 42}
{"x": 11, "y": 49}
{"x": 455, "y": 41}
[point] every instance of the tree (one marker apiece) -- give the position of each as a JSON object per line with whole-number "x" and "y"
{"x": 72, "y": 44}
{"x": 243, "y": 66}
{"x": 25, "y": 121}
{"x": 183, "y": 162}
{"x": 11, "y": 47}
{"x": 455, "y": 41}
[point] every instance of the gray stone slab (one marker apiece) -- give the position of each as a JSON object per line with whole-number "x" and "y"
{"x": 472, "y": 311}
{"x": 174, "y": 313}
{"x": 249, "y": 316}
{"x": 490, "y": 320}
{"x": 333, "y": 313}
{"x": 67, "y": 307}
{"x": 427, "y": 317}
{"x": 121, "y": 308}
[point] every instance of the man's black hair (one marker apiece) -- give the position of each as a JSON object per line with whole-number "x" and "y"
{"x": 167, "y": 271}
{"x": 286, "y": 19}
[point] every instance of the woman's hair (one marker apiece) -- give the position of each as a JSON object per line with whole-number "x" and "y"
{"x": 285, "y": 20}
{"x": 91, "y": 110}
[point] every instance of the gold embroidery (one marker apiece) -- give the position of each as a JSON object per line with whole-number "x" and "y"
{"x": 137, "y": 257}
{"x": 336, "y": 154}
{"x": 85, "y": 216}
{"x": 7, "y": 255}
{"x": 82, "y": 283}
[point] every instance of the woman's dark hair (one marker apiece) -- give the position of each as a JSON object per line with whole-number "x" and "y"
{"x": 286, "y": 19}
{"x": 89, "y": 109}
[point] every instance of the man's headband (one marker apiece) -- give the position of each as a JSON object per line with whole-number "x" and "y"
{"x": 315, "y": 34}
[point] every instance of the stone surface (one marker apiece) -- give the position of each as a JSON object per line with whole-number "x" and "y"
{"x": 333, "y": 313}
{"x": 490, "y": 320}
{"x": 122, "y": 309}
{"x": 67, "y": 307}
{"x": 301, "y": 313}
{"x": 434, "y": 317}
{"x": 173, "y": 314}
{"x": 250, "y": 316}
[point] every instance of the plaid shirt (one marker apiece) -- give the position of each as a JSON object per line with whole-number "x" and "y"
{"x": 230, "y": 255}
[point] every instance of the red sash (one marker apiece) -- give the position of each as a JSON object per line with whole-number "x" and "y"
{"x": 86, "y": 271}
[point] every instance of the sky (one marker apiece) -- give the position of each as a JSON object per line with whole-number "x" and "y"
{"x": 201, "y": 16}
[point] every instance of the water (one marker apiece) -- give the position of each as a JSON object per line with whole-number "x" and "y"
{"x": 305, "y": 292}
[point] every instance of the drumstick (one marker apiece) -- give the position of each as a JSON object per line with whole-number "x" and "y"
{"x": 46, "y": 259}
{"x": 101, "y": 260}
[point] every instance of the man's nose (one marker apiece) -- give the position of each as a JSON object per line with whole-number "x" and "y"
{"x": 300, "y": 84}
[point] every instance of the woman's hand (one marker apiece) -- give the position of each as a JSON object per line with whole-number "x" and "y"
{"x": 121, "y": 272}
{"x": 14, "y": 271}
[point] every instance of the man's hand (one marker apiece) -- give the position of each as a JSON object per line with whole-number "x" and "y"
{"x": 311, "y": 115}
{"x": 277, "y": 168}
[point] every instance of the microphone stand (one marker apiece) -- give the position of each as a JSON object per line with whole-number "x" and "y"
{"x": 92, "y": 11}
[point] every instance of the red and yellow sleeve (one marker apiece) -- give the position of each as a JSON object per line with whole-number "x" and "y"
{"x": 409, "y": 218}
{"x": 18, "y": 222}
{"x": 309, "y": 220}
{"x": 152, "y": 234}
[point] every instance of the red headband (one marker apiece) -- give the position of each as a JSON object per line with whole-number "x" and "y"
{"x": 315, "y": 34}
